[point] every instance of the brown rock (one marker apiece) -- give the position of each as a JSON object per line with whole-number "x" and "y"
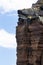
{"x": 29, "y": 35}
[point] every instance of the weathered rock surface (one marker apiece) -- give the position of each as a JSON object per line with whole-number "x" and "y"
{"x": 29, "y": 35}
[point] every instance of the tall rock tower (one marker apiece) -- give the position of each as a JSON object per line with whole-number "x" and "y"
{"x": 29, "y": 35}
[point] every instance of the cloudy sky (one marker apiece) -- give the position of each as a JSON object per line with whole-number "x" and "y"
{"x": 8, "y": 22}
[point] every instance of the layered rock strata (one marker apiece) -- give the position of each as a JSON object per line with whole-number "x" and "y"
{"x": 29, "y": 35}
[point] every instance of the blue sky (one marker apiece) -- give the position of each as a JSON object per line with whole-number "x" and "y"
{"x": 8, "y": 23}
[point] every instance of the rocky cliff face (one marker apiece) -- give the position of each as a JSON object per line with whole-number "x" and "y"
{"x": 29, "y": 35}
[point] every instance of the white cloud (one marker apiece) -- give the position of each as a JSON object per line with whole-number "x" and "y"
{"x": 9, "y": 5}
{"x": 7, "y": 40}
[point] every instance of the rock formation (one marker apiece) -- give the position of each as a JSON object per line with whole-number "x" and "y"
{"x": 29, "y": 35}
